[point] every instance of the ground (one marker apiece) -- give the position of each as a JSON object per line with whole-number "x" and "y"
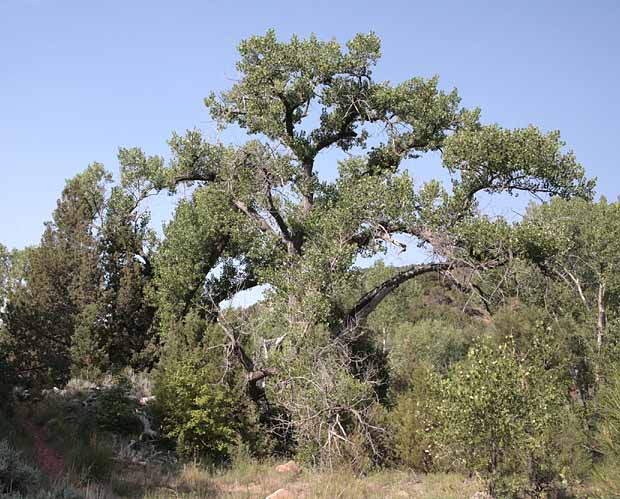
{"x": 109, "y": 476}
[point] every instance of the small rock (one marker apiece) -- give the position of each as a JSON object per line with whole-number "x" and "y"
{"x": 290, "y": 467}
{"x": 482, "y": 495}
{"x": 281, "y": 494}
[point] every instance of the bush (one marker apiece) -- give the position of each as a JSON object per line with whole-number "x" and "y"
{"x": 116, "y": 411}
{"x": 607, "y": 472}
{"x": 436, "y": 342}
{"x": 15, "y": 474}
{"x": 413, "y": 418}
{"x": 505, "y": 415}
{"x": 201, "y": 414}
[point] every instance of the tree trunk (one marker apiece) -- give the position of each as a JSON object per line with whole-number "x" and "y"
{"x": 601, "y": 316}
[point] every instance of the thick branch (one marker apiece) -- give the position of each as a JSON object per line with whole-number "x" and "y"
{"x": 257, "y": 375}
{"x": 255, "y": 216}
{"x": 343, "y": 133}
{"x": 288, "y": 118}
{"x": 274, "y": 212}
{"x": 209, "y": 177}
{"x": 252, "y": 375}
{"x": 367, "y": 303}
{"x": 380, "y": 230}
{"x": 217, "y": 250}
{"x": 469, "y": 288}
{"x": 601, "y": 319}
{"x": 577, "y": 287}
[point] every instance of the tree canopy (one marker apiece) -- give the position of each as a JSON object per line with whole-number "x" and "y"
{"x": 265, "y": 214}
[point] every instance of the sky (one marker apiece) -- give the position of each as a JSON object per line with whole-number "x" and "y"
{"x": 80, "y": 79}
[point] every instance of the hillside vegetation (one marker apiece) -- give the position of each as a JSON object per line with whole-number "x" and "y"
{"x": 489, "y": 368}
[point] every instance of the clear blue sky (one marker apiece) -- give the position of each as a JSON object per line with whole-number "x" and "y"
{"x": 78, "y": 79}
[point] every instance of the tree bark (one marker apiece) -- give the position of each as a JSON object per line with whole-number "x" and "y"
{"x": 601, "y": 316}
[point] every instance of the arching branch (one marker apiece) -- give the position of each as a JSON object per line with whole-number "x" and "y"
{"x": 369, "y": 302}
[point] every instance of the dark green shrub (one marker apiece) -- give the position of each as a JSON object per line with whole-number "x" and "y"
{"x": 15, "y": 474}
{"x": 116, "y": 411}
{"x": 59, "y": 492}
{"x": 8, "y": 378}
{"x": 91, "y": 458}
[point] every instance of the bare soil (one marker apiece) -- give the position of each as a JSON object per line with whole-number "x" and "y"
{"x": 47, "y": 458}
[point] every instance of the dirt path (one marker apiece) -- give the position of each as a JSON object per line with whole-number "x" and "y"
{"x": 47, "y": 458}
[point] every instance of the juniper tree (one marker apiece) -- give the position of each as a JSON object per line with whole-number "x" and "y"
{"x": 78, "y": 299}
{"x": 60, "y": 282}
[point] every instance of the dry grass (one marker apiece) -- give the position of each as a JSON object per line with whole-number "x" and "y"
{"x": 258, "y": 480}
{"x": 246, "y": 479}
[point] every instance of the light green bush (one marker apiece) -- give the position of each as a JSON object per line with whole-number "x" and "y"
{"x": 412, "y": 420}
{"x": 200, "y": 413}
{"x": 504, "y": 414}
{"x": 436, "y": 342}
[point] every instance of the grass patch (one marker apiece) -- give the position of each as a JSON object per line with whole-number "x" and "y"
{"x": 91, "y": 460}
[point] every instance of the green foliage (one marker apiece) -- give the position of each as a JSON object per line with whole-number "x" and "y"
{"x": 436, "y": 342}
{"x": 502, "y": 413}
{"x": 608, "y": 437}
{"x": 514, "y": 160}
{"x": 201, "y": 407}
{"x": 413, "y": 418}
{"x": 116, "y": 411}
{"x": 201, "y": 414}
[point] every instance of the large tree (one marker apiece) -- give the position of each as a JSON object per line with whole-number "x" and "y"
{"x": 78, "y": 299}
{"x": 261, "y": 213}
{"x": 576, "y": 244}
{"x": 60, "y": 280}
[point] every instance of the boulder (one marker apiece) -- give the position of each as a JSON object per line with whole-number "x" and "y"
{"x": 146, "y": 400}
{"x": 290, "y": 467}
